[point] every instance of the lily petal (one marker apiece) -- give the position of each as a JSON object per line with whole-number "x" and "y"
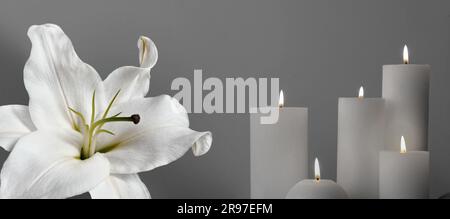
{"x": 148, "y": 53}
{"x": 155, "y": 148}
{"x": 133, "y": 82}
{"x": 155, "y": 112}
{"x": 56, "y": 79}
{"x": 15, "y": 122}
{"x": 47, "y": 165}
{"x": 116, "y": 186}
{"x": 162, "y": 136}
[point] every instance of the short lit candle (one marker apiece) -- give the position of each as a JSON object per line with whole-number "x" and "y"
{"x": 317, "y": 188}
{"x": 404, "y": 174}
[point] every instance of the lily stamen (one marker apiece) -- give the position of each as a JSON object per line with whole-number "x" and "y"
{"x": 93, "y": 129}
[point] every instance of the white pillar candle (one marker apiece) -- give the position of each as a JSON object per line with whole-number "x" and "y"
{"x": 406, "y": 91}
{"x": 360, "y": 140}
{"x": 278, "y": 153}
{"x": 316, "y": 188}
{"x": 404, "y": 175}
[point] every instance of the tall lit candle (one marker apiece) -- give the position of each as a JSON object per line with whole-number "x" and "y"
{"x": 404, "y": 174}
{"x": 316, "y": 188}
{"x": 360, "y": 140}
{"x": 406, "y": 91}
{"x": 278, "y": 152}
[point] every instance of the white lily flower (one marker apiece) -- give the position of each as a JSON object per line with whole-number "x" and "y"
{"x": 81, "y": 134}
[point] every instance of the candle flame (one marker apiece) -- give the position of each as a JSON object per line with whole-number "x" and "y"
{"x": 281, "y": 99}
{"x": 405, "y": 55}
{"x": 402, "y": 145}
{"x": 361, "y": 92}
{"x": 316, "y": 170}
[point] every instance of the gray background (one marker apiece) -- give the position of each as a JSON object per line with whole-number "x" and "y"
{"x": 320, "y": 50}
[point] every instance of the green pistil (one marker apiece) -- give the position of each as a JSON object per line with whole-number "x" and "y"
{"x": 95, "y": 127}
